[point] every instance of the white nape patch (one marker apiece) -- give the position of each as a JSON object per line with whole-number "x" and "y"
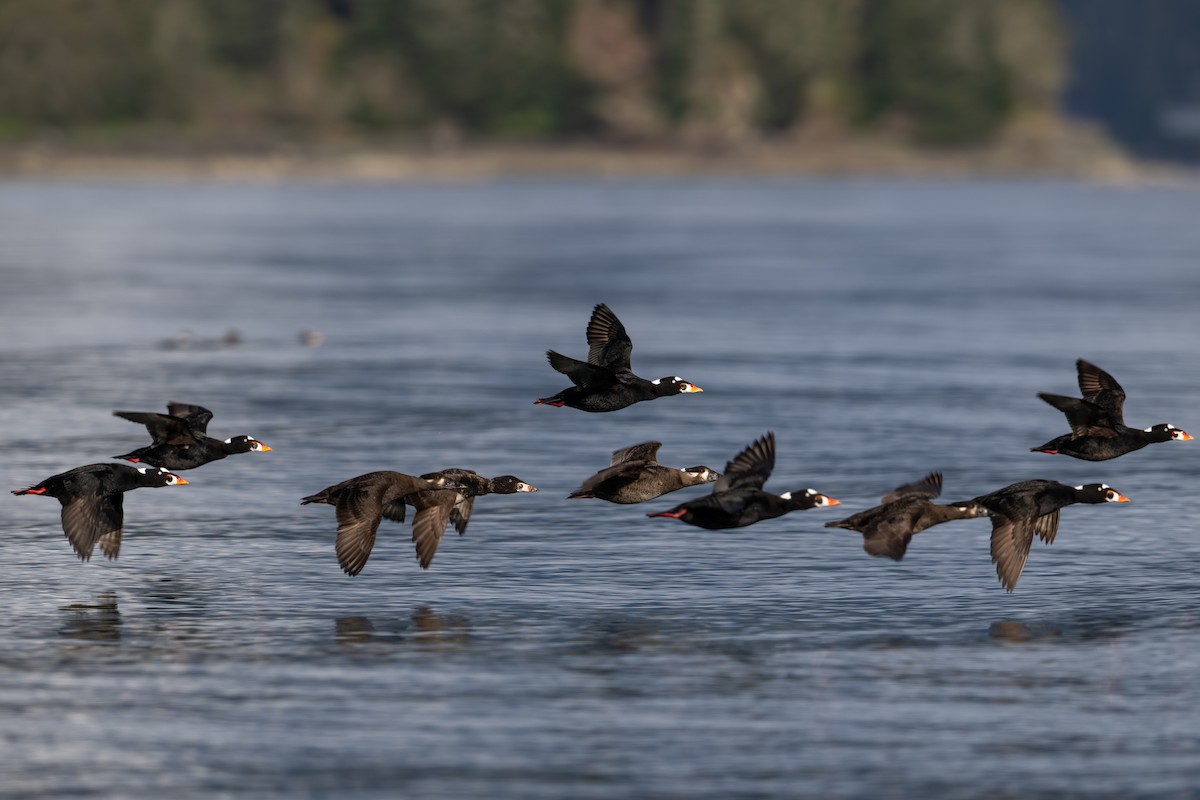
{"x": 1149, "y": 430}
{"x": 229, "y": 440}
{"x": 145, "y": 470}
{"x": 656, "y": 381}
{"x": 1078, "y": 487}
{"x": 786, "y": 495}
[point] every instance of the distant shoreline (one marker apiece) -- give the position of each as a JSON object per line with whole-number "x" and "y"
{"x": 1071, "y": 158}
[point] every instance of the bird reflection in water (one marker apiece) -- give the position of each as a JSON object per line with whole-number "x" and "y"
{"x": 440, "y": 630}
{"x": 1011, "y": 630}
{"x": 97, "y": 621}
{"x": 428, "y": 629}
{"x": 353, "y": 630}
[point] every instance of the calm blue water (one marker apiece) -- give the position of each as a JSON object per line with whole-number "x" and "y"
{"x": 578, "y": 649}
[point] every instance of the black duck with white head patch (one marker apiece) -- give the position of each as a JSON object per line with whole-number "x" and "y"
{"x": 1097, "y": 420}
{"x": 181, "y": 440}
{"x": 738, "y": 498}
{"x": 1023, "y": 509}
{"x": 605, "y": 382}
{"x": 93, "y": 498}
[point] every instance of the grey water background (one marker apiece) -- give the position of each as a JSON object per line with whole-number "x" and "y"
{"x": 578, "y": 649}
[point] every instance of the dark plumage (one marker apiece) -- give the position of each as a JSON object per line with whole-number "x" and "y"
{"x": 605, "y": 382}
{"x": 437, "y": 508}
{"x": 92, "y": 499}
{"x": 738, "y": 499}
{"x": 1022, "y": 509}
{"x": 888, "y": 528}
{"x": 181, "y": 440}
{"x": 360, "y": 503}
{"x": 1098, "y": 429}
{"x": 635, "y": 476}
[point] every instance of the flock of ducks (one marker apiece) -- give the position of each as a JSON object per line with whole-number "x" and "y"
{"x": 92, "y": 495}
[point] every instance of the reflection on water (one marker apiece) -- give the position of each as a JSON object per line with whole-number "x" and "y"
{"x": 96, "y": 621}
{"x": 353, "y": 630}
{"x": 440, "y": 630}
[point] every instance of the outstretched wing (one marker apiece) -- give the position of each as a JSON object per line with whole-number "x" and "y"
{"x": 1102, "y": 390}
{"x": 1011, "y": 540}
{"x": 891, "y": 545}
{"x": 164, "y": 429}
{"x": 608, "y": 344}
{"x": 1046, "y": 526}
{"x": 750, "y": 468}
{"x": 646, "y": 451}
{"x": 359, "y": 510}
{"x": 197, "y": 417}
{"x": 1084, "y": 417}
{"x": 460, "y": 514}
{"x": 429, "y": 523}
{"x": 581, "y": 373}
{"x": 87, "y": 518}
{"x": 928, "y": 488}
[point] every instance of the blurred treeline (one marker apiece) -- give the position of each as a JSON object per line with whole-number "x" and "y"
{"x": 230, "y": 72}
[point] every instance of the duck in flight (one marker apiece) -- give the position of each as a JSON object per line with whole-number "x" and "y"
{"x": 905, "y": 511}
{"x": 180, "y": 438}
{"x": 1098, "y": 429}
{"x": 93, "y": 502}
{"x": 605, "y": 382}
{"x": 635, "y": 476}
{"x": 1023, "y": 509}
{"x": 738, "y": 498}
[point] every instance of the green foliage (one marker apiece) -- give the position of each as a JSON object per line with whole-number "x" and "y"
{"x": 934, "y": 65}
{"x": 945, "y": 72}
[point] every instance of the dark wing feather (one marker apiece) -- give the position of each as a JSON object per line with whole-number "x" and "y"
{"x": 1011, "y": 540}
{"x": 750, "y": 468}
{"x": 928, "y": 487}
{"x": 112, "y": 512}
{"x": 359, "y": 510}
{"x": 1102, "y": 389}
{"x": 646, "y": 451}
{"x": 1046, "y": 526}
{"x": 163, "y": 429}
{"x": 1084, "y": 417}
{"x": 85, "y": 519}
{"x": 608, "y": 344}
{"x": 893, "y": 547}
{"x": 581, "y": 373}
{"x": 429, "y": 523}
{"x": 460, "y": 514}
{"x": 196, "y": 417}
{"x": 395, "y": 511}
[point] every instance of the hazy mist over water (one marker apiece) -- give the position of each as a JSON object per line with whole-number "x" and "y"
{"x": 577, "y": 648}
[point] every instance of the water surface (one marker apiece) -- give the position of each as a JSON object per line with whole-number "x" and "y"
{"x": 578, "y": 649}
